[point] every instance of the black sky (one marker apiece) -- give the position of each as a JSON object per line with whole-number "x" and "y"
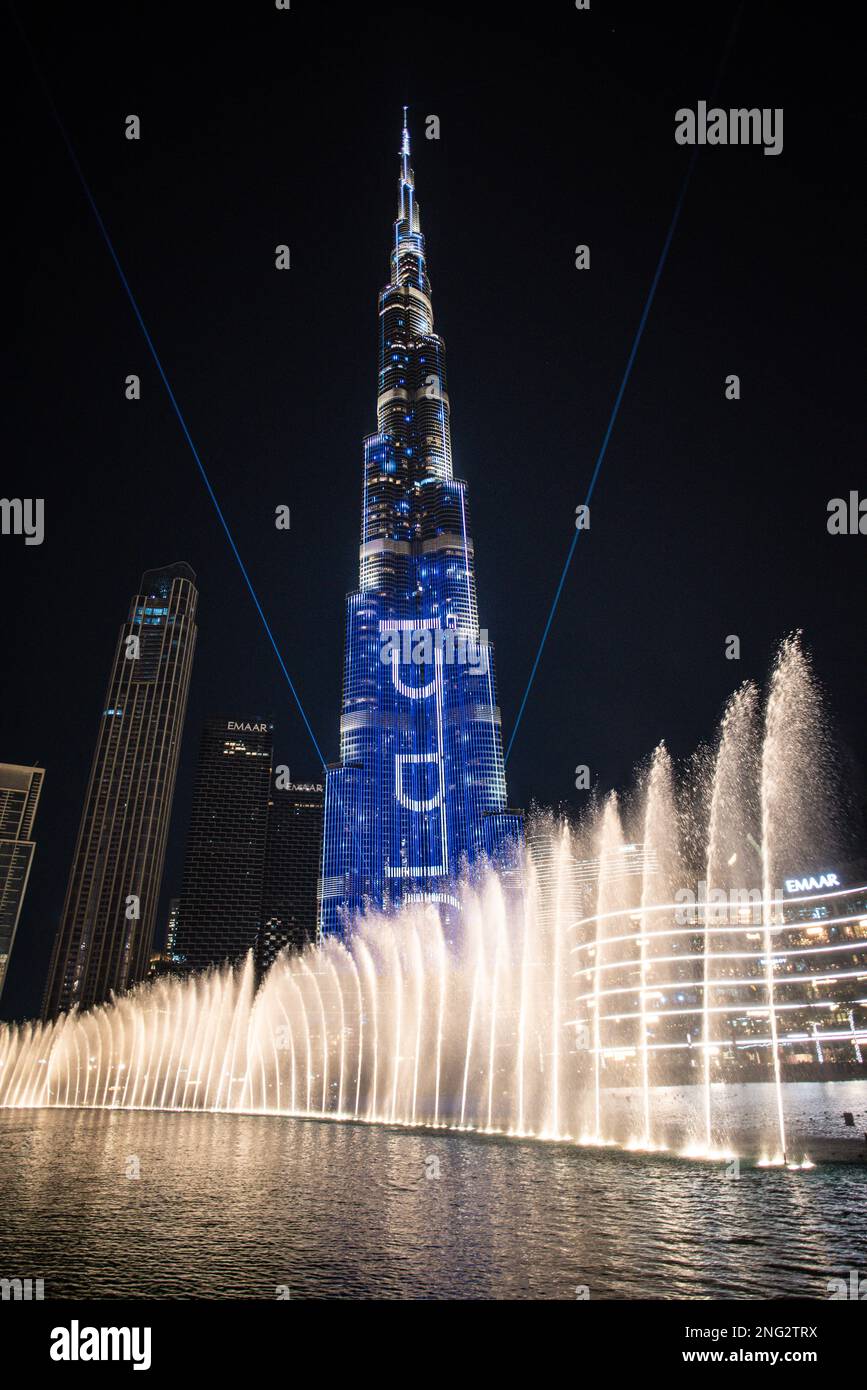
{"x": 262, "y": 127}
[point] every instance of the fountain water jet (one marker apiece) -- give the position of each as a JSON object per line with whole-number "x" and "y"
{"x": 734, "y": 823}
{"x": 658, "y": 884}
{"x": 788, "y": 751}
{"x": 610, "y": 845}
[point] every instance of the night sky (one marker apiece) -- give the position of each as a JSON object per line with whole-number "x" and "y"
{"x": 262, "y": 127}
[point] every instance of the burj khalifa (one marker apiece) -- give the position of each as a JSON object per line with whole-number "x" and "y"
{"x": 419, "y": 792}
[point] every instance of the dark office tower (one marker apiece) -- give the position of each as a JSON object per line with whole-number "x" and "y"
{"x": 105, "y": 935}
{"x": 19, "y": 795}
{"x": 293, "y": 854}
{"x": 221, "y": 894}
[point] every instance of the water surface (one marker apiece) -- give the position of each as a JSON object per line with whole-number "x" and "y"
{"x": 235, "y": 1206}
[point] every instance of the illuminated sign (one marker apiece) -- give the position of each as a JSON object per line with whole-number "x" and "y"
{"x": 247, "y": 728}
{"x": 813, "y": 884}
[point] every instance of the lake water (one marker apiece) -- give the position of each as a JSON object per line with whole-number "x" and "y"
{"x": 241, "y": 1206}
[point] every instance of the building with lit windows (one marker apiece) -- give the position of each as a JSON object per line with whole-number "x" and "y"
{"x": 821, "y": 973}
{"x": 221, "y": 894}
{"x": 172, "y": 928}
{"x": 106, "y": 932}
{"x": 680, "y": 975}
{"x": 253, "y": 854}
{"x": 293, "y": 855}
{"x": 19, "y": 797}
{"x": 167, "y": 961}
{"x": 420, "y": 787}
{"x": 627, "y": 865}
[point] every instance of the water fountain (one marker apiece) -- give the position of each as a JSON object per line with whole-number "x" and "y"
{"x": 581, "y": 1001}
{"x": 734, "y": 823}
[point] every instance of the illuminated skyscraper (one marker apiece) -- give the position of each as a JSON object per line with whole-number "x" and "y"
{"x": 420, "y": 787}
{"x": 19, "y": 797}
{"x": 105, "y": 935}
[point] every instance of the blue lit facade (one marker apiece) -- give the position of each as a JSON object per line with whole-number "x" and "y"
{"x": 420, "y": 788}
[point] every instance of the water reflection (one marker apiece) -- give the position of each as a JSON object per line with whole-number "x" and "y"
{"x": 236, "y": 1206}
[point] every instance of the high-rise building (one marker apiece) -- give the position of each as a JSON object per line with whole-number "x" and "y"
{"x": 106, "y": 931}
{"x": 19, "y": 796}
{"x": 694, "y": 968}
{"x": 172, "y": 928}
{"x": 293, "y": 858}
{"x": 224, "y": 865}
{"x": 578, "y": 879}
{"x": 420, "y": 787}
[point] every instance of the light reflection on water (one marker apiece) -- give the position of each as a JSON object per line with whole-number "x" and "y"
{"x": 235, "y": 1206}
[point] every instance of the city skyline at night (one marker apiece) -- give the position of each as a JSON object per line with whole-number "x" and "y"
{"x": 459, "y": 891}
{"x": 536, "y": 346}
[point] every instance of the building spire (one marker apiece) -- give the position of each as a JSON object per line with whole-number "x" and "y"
{"x": 405, "y": 141}
{"x": 408, "y": 254}
{"x": 407, "y": 179}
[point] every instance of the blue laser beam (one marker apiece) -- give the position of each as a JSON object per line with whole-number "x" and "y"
{"x": 663, "y": 256}
{"x": 171, "y": 395}
{"x": 607, "y": 436}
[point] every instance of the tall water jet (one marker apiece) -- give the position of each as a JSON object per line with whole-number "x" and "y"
{"x": 793, "y": 736}
{"x": 499, "y": 1006}
{"x": 556, "y": 947}
{"x": 441, "y": 974}
{"x": 528, "y": 921}
{"x": 658, "y": 883}
{"x": 359, "y": 1014}
{"x": 733, "y": 827}
{"x": 609, "y": 847}
{"x": 476, "y": 934}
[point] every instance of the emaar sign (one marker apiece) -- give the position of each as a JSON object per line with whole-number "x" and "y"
{"x": 813, "y": 884}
